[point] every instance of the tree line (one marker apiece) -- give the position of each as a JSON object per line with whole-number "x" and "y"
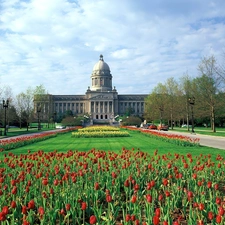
{"x": 174, "y": 102}
{"x": 20, "y": 110}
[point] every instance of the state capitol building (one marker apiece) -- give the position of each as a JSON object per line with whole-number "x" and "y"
{"x": 101, "y": 100}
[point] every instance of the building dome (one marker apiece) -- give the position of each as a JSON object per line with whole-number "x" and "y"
{"x": 101, "y": 76}
{"x": 101, "y": 66}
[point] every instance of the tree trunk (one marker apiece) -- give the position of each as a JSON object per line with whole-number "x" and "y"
{"x": 171, "y": 117}
{"x": 213, "y": 119}
{"x": 27, "y": 126}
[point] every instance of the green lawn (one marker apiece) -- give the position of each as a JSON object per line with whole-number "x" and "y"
{"x": 203, "y": 130}
{"x": 17, "y": 131}
{"x": 137, "y": 141}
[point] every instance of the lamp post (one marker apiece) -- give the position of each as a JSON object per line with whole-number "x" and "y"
{"x": 5, "y": 106}
{"x": 54, "y": 115}
{"x": 38, "y": 112}
{"x": 192, "y": 102}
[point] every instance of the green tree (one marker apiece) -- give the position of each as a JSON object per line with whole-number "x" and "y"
{"x": 208, "y": 86}
{"x": 156, "y": 104}
{"x": 25, "y": 105}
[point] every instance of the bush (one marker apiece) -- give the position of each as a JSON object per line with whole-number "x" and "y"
{"x": 132, "y": 121}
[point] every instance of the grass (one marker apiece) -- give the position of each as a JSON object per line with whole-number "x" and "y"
{"x": 137, "y": 140}
{"x": 220, "y": 132}
{"x": 12, "y": 132}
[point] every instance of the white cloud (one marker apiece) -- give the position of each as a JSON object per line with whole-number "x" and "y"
{"x": 57, "y": 42}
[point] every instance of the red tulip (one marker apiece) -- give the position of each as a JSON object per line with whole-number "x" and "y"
{"x": 200, "y": 222}
{"x": 176, "y": 223}
{"x": 31, "y": 204}
{"x": 160, "y": 197}
{"x": 165, "y": 223}
{"x": 14, "y": 190}
{"x": 62, "y": 212}
{"x": 114, "y": 175}
{"x": 83, "y": 206}
{"x": 218, "y": 218}
{"x": 13, "y": 204}
{"x": 221, "y": 211}
{"x": 93, "y": 220}
{"x": 216, "y": 186}
{"x": 136, "y": 222}
{"x": 67, "y": 207}
{"x": 2, "y": 216}
{"x": 167, "y": 193}
{"x": 210, "y": 215}
{"x": 5, "y": 210}
{"x": 134, "y": 199}
{"x": 169, "y": 165}
{"x": 128, "y": 218}
{"x": 165, "y": 182}
{"x": 108, "y": 198}
{"x": 24, "y": 209}
{"x": 218, "y": 200}
{"x": 41, "y": 211}
{"x": 45, "y": 181}
{"x": 97, "y": 186}
{"x": 201, "y": 206}
{"x": 25, "y": 222}
{"x": 157, "y": 212}
{"x": 152, "y": 183}
{"x": 126, "y": 183}
{"x": 155, "y": 220}
{"x": 209, "y": 184}
{"x": 13, "y": 182}
{"x": 51, "y": 191}
{"x": 136, "y": 187}
{"x": 56, "y": 182}
{"x": 132, "y": 217}
{"x": 149, "y": 198}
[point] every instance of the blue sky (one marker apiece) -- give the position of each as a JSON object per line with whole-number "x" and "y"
{"x": 57, "y": 42}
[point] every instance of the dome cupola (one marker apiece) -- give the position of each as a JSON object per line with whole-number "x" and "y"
{"x": 101, "y": 77}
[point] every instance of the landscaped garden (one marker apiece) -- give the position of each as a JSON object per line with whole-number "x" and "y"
{"x": 143, "y": 178}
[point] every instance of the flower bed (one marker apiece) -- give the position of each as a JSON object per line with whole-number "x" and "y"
{"x": 98, "y": 187}
{"x": 100, "y": 132}
{"x": 181, "y": 140}
{"x": 98, "y": 128}
{"x": 11, "y": 143}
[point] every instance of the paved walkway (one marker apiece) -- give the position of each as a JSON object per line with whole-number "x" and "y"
{"x": 205, "y": 140}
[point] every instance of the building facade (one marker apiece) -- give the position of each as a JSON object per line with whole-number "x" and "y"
{"x": 101, "y": 102}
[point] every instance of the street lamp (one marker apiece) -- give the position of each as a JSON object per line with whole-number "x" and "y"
{"x": 192, "y": 102}
{"x": 38, "y": 112}
{"x": 5, "y": 105}
{"x": 54, "y": 115}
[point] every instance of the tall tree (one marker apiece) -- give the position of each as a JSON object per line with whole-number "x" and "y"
{"x": 186, "y": 85}
{"x": 156, "y": 104}
{"x": 172, "y": 97}
{"x": 27, "y": 101}
{"x": 20, "y": 107}
{"x": 41, "y": 103}
{"x": 208, "y": 86}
